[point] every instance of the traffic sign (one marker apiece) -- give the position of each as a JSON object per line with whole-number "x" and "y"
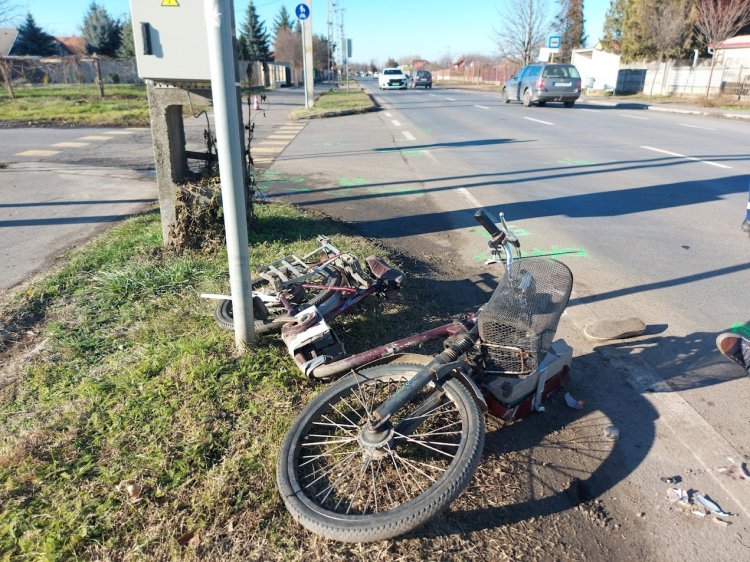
{"x": 554, "y": 41}
{"x": 302, "y": 11}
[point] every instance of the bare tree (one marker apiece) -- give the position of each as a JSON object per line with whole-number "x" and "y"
{"x": 667, "y": 22}
{"x": 7, "y": 11}
{"x": 717, "y": 21}
{"x": 288, "y": 48}
{"x": 525, "y": 25}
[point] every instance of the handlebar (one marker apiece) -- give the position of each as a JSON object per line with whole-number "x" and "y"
{"x": 501, "y": 237}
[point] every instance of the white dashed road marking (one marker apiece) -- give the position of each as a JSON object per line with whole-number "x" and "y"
{"x": 696, "y": 127}
{"x": 688, "y": 157}
{"x": 387, "y": 114}
{"x": 408, "y": 135}
{"x": 450, "y": 99}
{"x": 470, "y": 198}
{"x": 634, "y": 117}
{"x": 38, "y": 153}
{"x": 396, "y": 123}
{"x": 96, "y": 137}
{"x": 538, "y": 121}
{"x": 481, "y": 107}
{"x": 71, "y": 144}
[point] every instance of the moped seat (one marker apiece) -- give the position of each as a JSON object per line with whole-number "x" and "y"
{"x": 384, "y": 272}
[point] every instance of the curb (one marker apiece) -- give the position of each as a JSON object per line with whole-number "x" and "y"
{"x": 668, "y": 109}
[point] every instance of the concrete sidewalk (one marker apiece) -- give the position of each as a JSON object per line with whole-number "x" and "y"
{"x": 669, "y": 107}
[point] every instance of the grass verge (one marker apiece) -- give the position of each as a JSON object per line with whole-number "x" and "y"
{"x": 123, "y": 105}
{"x": 136, "y": 432}
{"x": 337, "y": 102}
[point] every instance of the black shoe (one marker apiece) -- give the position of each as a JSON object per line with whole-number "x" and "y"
{"x": 735, "y": 348}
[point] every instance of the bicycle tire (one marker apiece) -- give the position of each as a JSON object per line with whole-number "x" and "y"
{"x": 329, "y": 275}
{"x": 405, "y": 505}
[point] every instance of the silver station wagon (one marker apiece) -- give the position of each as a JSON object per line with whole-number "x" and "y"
{"x": 536, "y": 84}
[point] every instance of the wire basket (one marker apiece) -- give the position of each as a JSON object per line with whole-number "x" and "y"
{"x": 518, "y": 323}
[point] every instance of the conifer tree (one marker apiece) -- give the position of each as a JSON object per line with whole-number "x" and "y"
{"x": 283, "y": 21}
{"x": 100, "y": 31}
{"x": 253, "y": 40}
{"x": 33, "y": 40}
{"x": 127, "y": 42}
{"x": 570, "y": 25}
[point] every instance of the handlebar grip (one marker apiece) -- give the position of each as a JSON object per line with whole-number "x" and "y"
{"x": 483, "y": 218}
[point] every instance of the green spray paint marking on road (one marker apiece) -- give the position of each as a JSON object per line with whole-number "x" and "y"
{"x": 263, "y": 187}
{"x": 556, "y": 251}
{"x": 536, "y": 252}
{"x": 743, "y": 329}
{"x": 414, "y": 152}
{"x": 519, "y": 232}
{"x": 295, "y": 189}
{"x": 352, "y": 182}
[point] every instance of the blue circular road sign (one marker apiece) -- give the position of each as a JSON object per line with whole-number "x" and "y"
{"x": 302, "y": 11}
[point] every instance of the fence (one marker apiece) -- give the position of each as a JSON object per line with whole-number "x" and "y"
{"x": 82, "y": 70}
{"x": 69, "y": 70}
{"x": 675, "y": 78}
{"x": 476, "y": 74}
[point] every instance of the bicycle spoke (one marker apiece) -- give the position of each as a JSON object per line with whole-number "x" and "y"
{"x": 427, "y": 445}
{"x": 413, "y": 465}
{"x": 430, "y": 413}
{"x": 330, "y": 469}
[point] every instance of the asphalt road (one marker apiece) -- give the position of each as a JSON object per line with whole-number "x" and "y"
{"x": 644, "y": 207}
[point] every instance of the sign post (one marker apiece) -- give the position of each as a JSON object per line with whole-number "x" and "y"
{"x": 554, "y": 45}
{"x": 304, "y": 14}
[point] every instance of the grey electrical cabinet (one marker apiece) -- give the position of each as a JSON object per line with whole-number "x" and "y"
{"x": 171, "y": 44}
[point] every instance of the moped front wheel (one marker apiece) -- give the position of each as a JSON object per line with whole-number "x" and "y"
{"x": 343, "y": 482}
{"x": 327, "y": 276}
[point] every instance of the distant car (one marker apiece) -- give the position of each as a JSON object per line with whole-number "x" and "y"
{"x": 421, "y": 78}
{"x": 392, "y": 79}
{"x": 543, "y": 82}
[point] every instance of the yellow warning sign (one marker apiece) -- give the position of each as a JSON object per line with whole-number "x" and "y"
{"x": 172, "y": 3}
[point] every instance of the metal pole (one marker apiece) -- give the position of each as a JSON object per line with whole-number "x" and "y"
{"x": 218, "y": 14}
{"x": 304, "y": 64}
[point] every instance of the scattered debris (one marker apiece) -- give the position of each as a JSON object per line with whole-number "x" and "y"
{"x": 611, "y": 433}
{"x": 736, "y": 471}
{"x": 697, "y": 504}
{"x": 671, "y": 479}
{"x": 572, "y": 402}
{"x": 710, "y": 505}
{"x": 641, "y": 514}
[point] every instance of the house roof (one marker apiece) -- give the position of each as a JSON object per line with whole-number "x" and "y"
{"x": 738, "y": 42}
{"x": 7, "y": 38}
{"x": 73, "y": 44}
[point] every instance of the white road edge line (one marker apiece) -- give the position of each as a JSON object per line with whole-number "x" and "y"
{"x": 539, "y": 121}
{"x": 688, "y": 157}
{"x": 408, "y": 135}
{"x": 695, "y": 127}
{"x": 481, "y": 107}
{"x": 634, "y": 117}
{"x": 395, "y": 123}
{"x": 470, "y": 198}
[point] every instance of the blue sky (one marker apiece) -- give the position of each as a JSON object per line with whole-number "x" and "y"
{"x": 378, "y": 28}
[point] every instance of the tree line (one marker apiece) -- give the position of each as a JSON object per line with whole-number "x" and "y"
{"x": 634, "y": 29}
{"x": 108, "y": 36}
